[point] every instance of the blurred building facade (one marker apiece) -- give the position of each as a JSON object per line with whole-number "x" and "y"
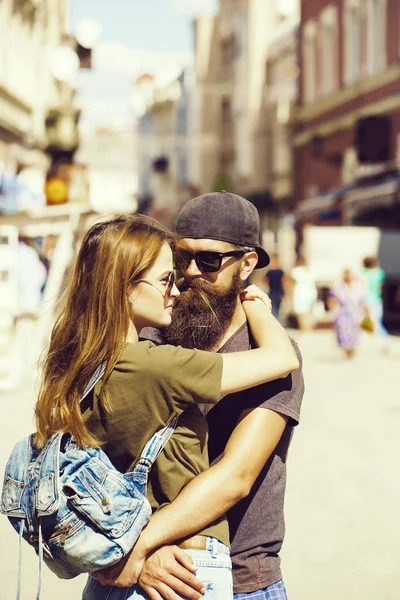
{"x": 36, "y": 115}
{"x": 227, "y": 125}
{"x": 280, "y": 98}
{"x": 239, "y": 54}
{"x": 166, "y": 148}
{"x": 109, "y": 155}
{"x": 347, "y": 138}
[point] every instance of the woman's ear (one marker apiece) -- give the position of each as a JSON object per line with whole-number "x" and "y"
{"x": 248, "y": 264}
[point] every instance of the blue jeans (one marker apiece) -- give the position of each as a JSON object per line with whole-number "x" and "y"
{"x": 276, "y": 300}
{"x": 276, "y": 591}
{"x": 214, "y": 569}
{"x": 376, "y": 313}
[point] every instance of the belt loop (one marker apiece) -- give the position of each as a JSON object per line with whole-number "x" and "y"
{"x": 21, "y": 529}
{"x": 214, "y": 547}
{"x": 40, "y": 561}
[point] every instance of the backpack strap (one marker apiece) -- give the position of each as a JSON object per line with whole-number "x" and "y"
{"x": 155, "y": 446}
{"x": 95, "y": 378}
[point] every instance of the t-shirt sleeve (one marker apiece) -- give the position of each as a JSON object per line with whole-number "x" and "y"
{"x": 281, "y": 395}
{"x": 184, "y": 376}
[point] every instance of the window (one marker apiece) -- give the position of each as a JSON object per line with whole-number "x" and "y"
{"x": 352, "y": 41}
{"x": 328, "y": 50}
{"x": 310, "y": 62}
{"x": 226, "y": 111}
{"x": 229, "y": 48}
{"x": 376, "y": 35}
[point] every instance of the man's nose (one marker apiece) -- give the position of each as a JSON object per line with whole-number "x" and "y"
{"x": 174, "y": 293}
{"x": 193, "y": 270}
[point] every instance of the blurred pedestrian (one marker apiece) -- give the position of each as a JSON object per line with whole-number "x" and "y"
{"x": 304, "y": 295}
{"x": 346, "y": 299}
{"x": 374, "y": 277}
{"x": 31, "y": 275}
{"x": 275, "y": 279}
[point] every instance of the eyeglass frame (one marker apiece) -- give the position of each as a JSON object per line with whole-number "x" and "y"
{"x": 197, "y": 259}
{"x": 169, "y": 284}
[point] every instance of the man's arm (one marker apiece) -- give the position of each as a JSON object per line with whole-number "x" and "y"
{"x": 202, "y": 501}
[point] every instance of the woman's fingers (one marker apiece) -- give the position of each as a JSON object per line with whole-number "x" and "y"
{"x": 252, "y": 292}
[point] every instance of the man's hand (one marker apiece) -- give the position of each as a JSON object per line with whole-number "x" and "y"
{"x": 168, "y": 572}
{"x": 124, "y": 574}
{"x": 252, "y": 292}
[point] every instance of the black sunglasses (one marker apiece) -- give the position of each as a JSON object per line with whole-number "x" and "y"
{"x": 207, "y": 261}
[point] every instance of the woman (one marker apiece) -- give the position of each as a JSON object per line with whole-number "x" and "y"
{"x": 304, "y": 294}
{"x": 123, "y": 280}
{"x": 346, "y": 298}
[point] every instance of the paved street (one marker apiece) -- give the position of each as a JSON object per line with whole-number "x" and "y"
{"x": 343, "y": 497}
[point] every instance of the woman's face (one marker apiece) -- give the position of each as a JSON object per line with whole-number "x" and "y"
{"x": 153, "y": 296}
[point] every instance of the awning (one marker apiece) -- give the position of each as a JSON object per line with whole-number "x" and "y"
{"x": 324, "y": 207}
{"x": 366, "y": 196}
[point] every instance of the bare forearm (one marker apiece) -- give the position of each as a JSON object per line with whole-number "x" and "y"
{"x": 201, "y": 502}
{"x": 212, "y": 493}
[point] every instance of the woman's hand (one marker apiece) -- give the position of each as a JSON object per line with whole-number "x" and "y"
{"x": 252, "y": 292}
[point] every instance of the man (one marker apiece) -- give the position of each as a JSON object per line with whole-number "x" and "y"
{"x": 249, "y": 434}
{"x": 275, "y": 278}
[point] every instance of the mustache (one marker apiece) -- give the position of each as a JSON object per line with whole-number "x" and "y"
{"x": 184, "y": 283}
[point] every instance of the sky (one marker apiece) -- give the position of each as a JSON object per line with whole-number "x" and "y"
{"x": 138, "y": 36}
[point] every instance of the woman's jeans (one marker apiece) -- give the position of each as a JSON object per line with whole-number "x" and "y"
{"x": 214, "y": 569}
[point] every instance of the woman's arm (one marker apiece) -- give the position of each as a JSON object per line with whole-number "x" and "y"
{"x": 207, "y": 496}
{"x": 274, "y": 358}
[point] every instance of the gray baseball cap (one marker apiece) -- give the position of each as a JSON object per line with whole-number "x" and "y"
{"x": 223, "y": 216}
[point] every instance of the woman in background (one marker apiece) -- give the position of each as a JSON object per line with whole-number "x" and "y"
{"x": 304, "y": 295}
{"x": 346, "y": 299}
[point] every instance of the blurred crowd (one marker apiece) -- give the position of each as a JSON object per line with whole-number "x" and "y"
{"x": 354, "y": 302}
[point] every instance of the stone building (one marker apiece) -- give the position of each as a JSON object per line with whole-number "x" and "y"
{"x": 347, "y": 140}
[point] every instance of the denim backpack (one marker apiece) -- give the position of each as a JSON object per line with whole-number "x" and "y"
{"x": 72, "y": 505}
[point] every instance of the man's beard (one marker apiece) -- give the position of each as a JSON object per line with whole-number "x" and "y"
{"x": 202, "y": 314}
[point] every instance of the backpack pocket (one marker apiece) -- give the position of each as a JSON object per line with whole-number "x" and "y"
{"x": 109, "y": 500}
{"x": 11, "y": 496}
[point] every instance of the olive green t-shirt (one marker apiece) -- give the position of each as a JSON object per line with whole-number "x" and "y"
{"x": 149, "y": 385}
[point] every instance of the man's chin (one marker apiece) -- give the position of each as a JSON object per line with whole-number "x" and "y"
{"x": 201, "y": 316}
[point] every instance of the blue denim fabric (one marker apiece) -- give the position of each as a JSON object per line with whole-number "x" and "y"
{"x": 78, "y": 511}
{"x": 376, "y": 313}
{"x": 214, "y": 569}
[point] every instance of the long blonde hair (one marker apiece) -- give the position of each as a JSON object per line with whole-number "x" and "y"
{"x": 95, "y": 320}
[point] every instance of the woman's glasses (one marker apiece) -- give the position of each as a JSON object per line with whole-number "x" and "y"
{"x": 167, "y": 283}
{"x": 207, "y": 261}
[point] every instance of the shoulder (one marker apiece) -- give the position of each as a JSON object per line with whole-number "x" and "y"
{"x": 282, "y": 395}
{"x": 152, "y": 334}
{"x": 150, "y": 359}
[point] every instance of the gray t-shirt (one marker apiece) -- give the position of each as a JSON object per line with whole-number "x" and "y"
{"x": 256, "y": 523}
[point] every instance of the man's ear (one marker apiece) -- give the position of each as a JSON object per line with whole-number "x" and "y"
{"x": 248, "y": 264}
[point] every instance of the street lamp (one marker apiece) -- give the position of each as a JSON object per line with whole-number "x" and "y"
{"x": 75, "y": 52}
{"x": 87, "y": 32}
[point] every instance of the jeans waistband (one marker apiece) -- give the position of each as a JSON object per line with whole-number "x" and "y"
{"x": 203, "y": 542}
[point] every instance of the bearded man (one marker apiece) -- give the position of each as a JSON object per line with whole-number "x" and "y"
{"x": 249, "y": 432}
